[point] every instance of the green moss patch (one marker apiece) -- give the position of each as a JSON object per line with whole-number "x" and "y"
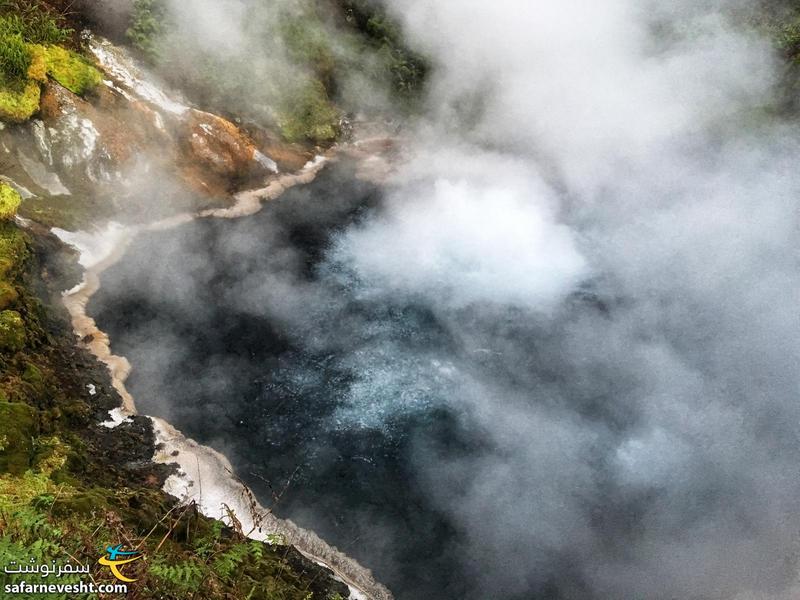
{"x": 71, "y": 70}
{"x": 19, "y": 101}
{"x": 8, "y": 295}
{"x": 9, "y": 201}
{"x": 38, "y": 68}
{"x": 13, "y": 249}
{"x": 17, "y": 431}
{"x": 12, "y": 331}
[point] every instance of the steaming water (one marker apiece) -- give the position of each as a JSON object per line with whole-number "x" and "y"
{"x": 459, "y": 450}
{"x": 341, "y": 422}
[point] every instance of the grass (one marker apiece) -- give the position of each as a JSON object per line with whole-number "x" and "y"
{"x": 405, "y": 69}
{"x": 304, "y": 98}
{"x": 15, "y": 57}
{"x": 35, "y": 21}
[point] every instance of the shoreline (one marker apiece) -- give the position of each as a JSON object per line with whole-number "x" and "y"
{"x": 227, "y": 498}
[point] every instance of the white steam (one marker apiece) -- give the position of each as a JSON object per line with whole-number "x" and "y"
{"x": 645, "y": 120}
{"x": 462, "y": 242}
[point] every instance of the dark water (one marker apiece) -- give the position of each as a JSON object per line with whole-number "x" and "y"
{"x": 245, "y": 381}
{"x": 604, "y": 449}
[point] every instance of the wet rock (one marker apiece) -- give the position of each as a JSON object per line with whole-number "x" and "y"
{"x": 217, "y": 144}
{"x": 41, "y": 176}
{"x": 288, "y": 157}
{"x": 84, "y": 141}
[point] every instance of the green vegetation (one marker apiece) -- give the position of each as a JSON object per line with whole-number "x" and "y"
{"x": 308, "y": 43}
{"x": 319, "y": 57}
{"x": 30, "y": 31}
{"x": 9, "y": 201}
{"x": 36, "y": 21}
{"x": 310, "y": 116}
{"x": 19, "y": 101}
{"x": 779, "y": 20}
{"x": 148, "y": 27}
{"x": 12, "y": 331}
{"x": 71, "y": 70}
{"x": 13, "y": 251}
{"x": 405, "y": 69}
{"x": 787, "y": 37}
{"x": 15, "y": 57}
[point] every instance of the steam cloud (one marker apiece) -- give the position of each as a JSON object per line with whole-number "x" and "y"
{"x": 606, "y": 226}
{"x": 661, "y": 460}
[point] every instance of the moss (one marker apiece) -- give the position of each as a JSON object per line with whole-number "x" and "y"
{"x": 8, "y": 295}
{"x": 35, "y": 381}
{"x": 82, "y": 502}
{"x": 71, "y": 70}
{"x": 13, "y": 248}
{"x": 19, "y": 101}
{"x": 12, "y": 331}
{"x": 38, "y": 69}
{"x": 17, "y": 431}
{"x": 311, "y": 116}
{"x": 9, "y": 201}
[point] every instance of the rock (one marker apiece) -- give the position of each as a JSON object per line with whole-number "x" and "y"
{"x": 289, "y": 157}
{"x": 218, "y": 145}
{"x": 87, "y": 143}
